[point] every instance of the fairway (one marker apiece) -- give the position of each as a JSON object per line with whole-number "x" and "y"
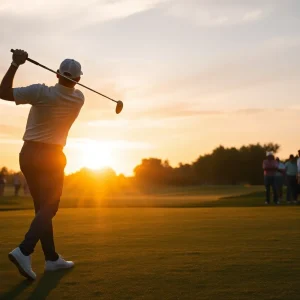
{"x": 198, "y": 196}
{"x": 161, "y": 253}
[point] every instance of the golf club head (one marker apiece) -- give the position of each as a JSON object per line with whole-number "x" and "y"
{"x": 119, "y": 107}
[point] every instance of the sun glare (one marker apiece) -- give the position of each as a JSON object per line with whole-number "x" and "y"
{"x": 95, "y": 156}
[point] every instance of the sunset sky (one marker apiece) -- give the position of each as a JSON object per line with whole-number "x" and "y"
{"x": 193, "y": 74}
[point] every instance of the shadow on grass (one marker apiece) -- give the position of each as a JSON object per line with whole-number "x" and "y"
{"x": 47, "y": 283}
{"x": 16, "y": 290}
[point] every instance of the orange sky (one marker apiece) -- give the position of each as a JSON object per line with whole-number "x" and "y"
{"x": 192, "y": 75}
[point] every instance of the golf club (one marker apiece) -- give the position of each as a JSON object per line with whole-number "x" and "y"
{"x": 119, "y": 106}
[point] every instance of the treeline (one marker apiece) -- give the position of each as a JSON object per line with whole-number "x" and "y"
{"x": 94, "y": 180}
{"x": 224, "y": 166}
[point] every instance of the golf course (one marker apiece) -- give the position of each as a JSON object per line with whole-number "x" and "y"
{"x": 182, "y": 243}
{"x": 147, "y": 150}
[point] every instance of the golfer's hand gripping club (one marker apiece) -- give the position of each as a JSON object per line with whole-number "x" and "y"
{"x": 119, "y": 106}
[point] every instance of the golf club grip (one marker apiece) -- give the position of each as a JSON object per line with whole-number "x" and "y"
{"x": 29, "y": 59}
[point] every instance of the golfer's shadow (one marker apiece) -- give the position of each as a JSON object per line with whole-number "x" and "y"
{"x": 16, "y": 290}
{"x": 43, "y": 288}
{"x": 48, "y": 282}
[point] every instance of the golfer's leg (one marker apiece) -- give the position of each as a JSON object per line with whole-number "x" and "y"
{"x": 41, "y": 191}
{"x": 40, "y": 223}
{"x": 32, "y": 177}
{"x": 47, "y": 242}
{"x": 54, "y": 187}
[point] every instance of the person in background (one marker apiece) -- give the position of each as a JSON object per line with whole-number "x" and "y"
{"x": 270, "y": 167}
{"x": 17, "y": 183}
{"x": 24, "y": 184}
{"x": 2, "y": 183}
{"x": 298, "y": 173}
{"x": 25, "y": 188}
{"x": 291, "y": 176}
{"x": 298, "y": 162}
{"x": 279, "y": 179}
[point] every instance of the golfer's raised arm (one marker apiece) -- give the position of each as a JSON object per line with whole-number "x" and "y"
{"x": 6, "y": 91}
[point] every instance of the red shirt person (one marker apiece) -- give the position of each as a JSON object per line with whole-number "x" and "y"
{"x": 270, "y": 167}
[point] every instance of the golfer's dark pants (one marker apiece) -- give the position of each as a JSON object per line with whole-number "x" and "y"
{"x": 270, "y": 182}
{"x": 292, "y": 186}
{"x": 43, "y": 167}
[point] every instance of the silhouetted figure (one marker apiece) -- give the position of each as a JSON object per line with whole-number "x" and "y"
{"x": 291, "y": 175}
{"x": 17, "y": 183}
{"x": 2, "y": 183}
{"x": 298, "y": 173}
{"x": 279, "y": 179}
{"x": 25, "y": 188}
{"x": 270, "y": 167}
{"x": 42, "y": 160}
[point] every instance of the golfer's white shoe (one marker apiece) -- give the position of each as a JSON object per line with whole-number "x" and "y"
{"x": 23, "y": 263}
{"x": 58, "y": 264}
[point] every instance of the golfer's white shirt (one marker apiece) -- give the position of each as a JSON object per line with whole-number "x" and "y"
{"x": 54, "y": 110}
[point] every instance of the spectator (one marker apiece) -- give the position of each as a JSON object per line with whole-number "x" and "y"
{"x": 298, "y": 173}
{"x": 291, "y": 173}
{"x": 270, "y": 167}
{"x": 279, "y": 179}
{"x": 17, "y": 183}
{"x": 25, "y": 188}
{"x": 298, "y": 161}
{"x": 2, "y": 183}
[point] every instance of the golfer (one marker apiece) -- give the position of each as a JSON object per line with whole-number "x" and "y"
{"x": 53, "y": 111}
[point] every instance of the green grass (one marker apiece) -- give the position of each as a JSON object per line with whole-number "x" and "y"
{"x": 203, "y": 196}
{"x": 157, "y": 253}
{"x": 176, "y": 243}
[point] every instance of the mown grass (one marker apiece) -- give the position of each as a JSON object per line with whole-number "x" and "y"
{"x": 161, "y": 253}
{"x": 203, "y": 196}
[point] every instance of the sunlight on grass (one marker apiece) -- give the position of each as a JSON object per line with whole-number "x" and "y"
{"x": 208, "y": 253}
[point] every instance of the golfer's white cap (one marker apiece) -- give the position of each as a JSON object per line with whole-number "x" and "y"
{"x": 269, "y": 153}
{"x": 70, "y": 66}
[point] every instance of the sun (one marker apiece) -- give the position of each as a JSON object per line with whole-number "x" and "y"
{"x": 96, "y": 156}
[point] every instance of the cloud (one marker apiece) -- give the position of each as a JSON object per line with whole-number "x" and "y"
{"x": 79, "y": 13}
{"x": 252, "y": 16}
{"x": 112, "y": 145}
{"x": 128, "y": 124}
{"x": 253, "y": 68}
{"x": 214, "y": 13}
{"x": 11, "y": 141}
{"x": 168, "y": 117}
{"x": 251, "y": 111}
{"x": 175, "y": 110}
{"x": 281, "y": 43}
{"x": 7, "y": 131}
{"x": 79, "y": 143}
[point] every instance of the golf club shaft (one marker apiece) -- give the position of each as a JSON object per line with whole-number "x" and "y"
{"x": 44, "y": 67}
